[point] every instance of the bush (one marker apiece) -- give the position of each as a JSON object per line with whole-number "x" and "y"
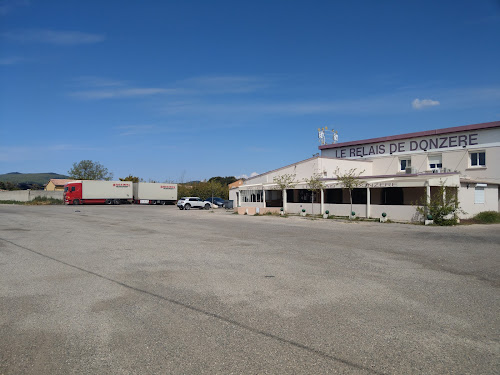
{"x": 38, "y": 201}
{"x": 487, "y": 217}
{"x": 443, "y": 211}
{"x": 203, "y": 190}
{"x": 44, "y": 201}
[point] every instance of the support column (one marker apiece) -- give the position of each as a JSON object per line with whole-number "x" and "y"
{"x": 322, "y": 202}
{"x": 428, "y": 197}
{"x": 368, "y": 203}
{"x": 264, "y": 196}
{"x": 284, "y": 199}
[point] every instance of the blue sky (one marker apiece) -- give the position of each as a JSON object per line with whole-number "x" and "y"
{"x": 184, "y": 90}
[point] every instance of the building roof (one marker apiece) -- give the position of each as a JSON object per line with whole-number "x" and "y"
{"x": 425, "y": 133}
{"x": 236, "y": 183}
{"x": 60, "y": 181}
{"x": 305, "y": 161}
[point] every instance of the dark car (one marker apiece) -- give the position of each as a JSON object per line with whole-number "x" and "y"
{"x": 216, "y": 200}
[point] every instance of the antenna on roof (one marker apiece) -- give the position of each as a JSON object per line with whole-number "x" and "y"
{"x": 327, "y": 136}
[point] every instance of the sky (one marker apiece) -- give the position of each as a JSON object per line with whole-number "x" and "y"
{"x": 186, "y": 90}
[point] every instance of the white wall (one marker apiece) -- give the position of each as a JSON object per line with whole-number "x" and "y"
{"x": 28, "y": 195}
{"x": 305, "y": 169}
{"x": 466, "y": 199}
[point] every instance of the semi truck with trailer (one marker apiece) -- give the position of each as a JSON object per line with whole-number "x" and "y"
{"x": 154, "y": 193}
{"x": 118, "y": 192}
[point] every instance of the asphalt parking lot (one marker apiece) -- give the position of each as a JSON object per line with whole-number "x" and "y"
{"x": 155, "y": 290}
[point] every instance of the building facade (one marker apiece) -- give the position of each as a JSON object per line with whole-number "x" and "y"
{"x": 397, "y": 173}
{"x": 56, "y": 184}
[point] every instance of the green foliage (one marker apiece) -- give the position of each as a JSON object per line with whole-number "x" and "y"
{"x": 38, "y": 201}
{"x": 34, "y": 181}
{"x": 443, "y": 211}
{"x": 44, "y": 201}
{"x": 487, "y": 217}
{"x": 131, "y": 178}
{"x": 204, "y": 190}
{"x": 11, "y": 202}
{"x": 350, "y": 180}
{"x": 223, "y": 180}
{"x": 89, "y": 170}
{"x": 7, "y": 185}
{"x": 314, "y": 184}
{"x": 284, "y": 182}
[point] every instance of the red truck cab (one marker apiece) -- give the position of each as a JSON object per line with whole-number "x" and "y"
{"x": 73, "y": 193}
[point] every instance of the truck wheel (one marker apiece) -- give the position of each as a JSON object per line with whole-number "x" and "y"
{"x": 187, "y": 206}
{"x": 163, "y": 203}
{"x": 109, "y": 201}
{"x": 117, "y": 201}
{"x": 76, "y": 202}
{"x": 207, "y": 207}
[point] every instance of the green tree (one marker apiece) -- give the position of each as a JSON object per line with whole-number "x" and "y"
{"x": 89, "y": 170}
{"x": 443, "y": 206}
{"x": 314, "y": 184}
{"x": 223, "y": 180}
{"x": 131, "y": 178}
{"x": 202, "y": 189}
{"x": 284, "y": 182}
{"x": 350, "y": 180}
{"x": 7, "y": 185}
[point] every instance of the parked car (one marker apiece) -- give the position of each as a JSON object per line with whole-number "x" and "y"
{"x": 217, "y": 201}
{"x": 186, "y": 203}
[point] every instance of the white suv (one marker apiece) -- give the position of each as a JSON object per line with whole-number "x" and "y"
{"x": 187, "y": 203}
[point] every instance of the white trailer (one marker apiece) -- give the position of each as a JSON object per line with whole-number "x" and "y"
{"x": 155, "y": 193}
{"x": 95, "y": 192}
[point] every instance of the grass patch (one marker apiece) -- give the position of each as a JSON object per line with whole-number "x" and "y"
{"x": 38, "y": 201}
{"x": 12, "y": 202}
{"x": 486, "y": 217}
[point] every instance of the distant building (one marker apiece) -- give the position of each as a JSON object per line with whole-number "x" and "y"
{"x": 397, "y": 171}
{"x": 236, "y": 184}
{"x": 57, "y": 184}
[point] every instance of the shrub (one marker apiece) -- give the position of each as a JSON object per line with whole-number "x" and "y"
{"x": 44, "y": 201}
{"x": 443, "y": 211}
{"x": 487, "y": 217}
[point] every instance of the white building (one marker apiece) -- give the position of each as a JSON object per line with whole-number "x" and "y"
{"x": 397, "y": 171}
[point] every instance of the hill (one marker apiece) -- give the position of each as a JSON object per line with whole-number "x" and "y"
{"x": 30, "y": 178}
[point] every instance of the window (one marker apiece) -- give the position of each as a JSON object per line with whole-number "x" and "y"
{"x": 359, "y": 196}
{"x": 435, "y": 161}
{"x": 479, "y": 194}
{"x": 72, "y": 188}
{"x": 333, "y": 196}
{"x": 404, "y": 163}
{"x": 251, "y": 196}
{"x": 393, "y": 196}
{"x": 478, "y": 159}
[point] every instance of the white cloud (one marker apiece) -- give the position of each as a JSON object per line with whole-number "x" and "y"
{"x": 94, "y": 88}
{"x": 419, "y": 104}
{"x": 121, "y": 93}
{"x": 66, "y": 38}
{"x": 94, "y": 81}
{"x": 37, "y": 153}
{"x": 8, "y": 6}
{"x": 136, "y": 129}
{"x": 223, "y": 84}
{"x": 244, "y": 176}
{"x": 10, "y": 60}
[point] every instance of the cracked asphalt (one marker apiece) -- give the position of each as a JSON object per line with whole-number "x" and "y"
{"x": 155, "y": 290}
